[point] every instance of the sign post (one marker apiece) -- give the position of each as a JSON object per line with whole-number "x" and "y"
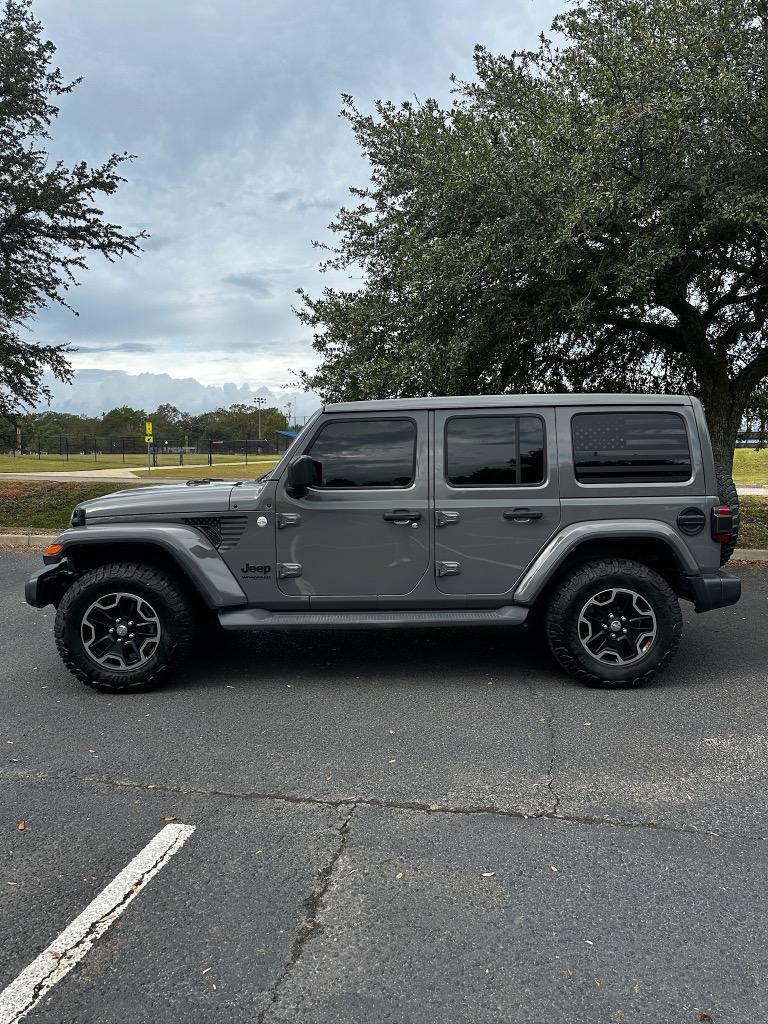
{"x": 149, "y": 437}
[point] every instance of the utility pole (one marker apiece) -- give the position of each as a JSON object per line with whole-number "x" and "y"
{"x": 259, "y": 402}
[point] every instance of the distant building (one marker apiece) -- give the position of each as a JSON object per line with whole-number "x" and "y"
{"x": 285, "y": 439}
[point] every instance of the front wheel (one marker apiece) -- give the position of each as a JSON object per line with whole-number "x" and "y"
{"x": 613, "y": 622}
{"x": 119, "y": 626}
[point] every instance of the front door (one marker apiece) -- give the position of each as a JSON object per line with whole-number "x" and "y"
{"x": 363, "y": 531}
{"x": 496, "y": 497}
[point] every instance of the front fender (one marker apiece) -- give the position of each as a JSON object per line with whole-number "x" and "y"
{"x": 564, "y": 543}
{"x": 193, "y": 554}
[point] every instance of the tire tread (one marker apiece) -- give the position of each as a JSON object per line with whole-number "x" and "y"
{"x": 727, "y": 493}
{"x": 557, "y": 621}
{"x": 170, "y": 591}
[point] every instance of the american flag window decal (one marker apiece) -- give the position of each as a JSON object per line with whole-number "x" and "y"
{"x": 630, "y": 447}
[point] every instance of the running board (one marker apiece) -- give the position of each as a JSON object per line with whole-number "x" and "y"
{"x": 261, "y": 618}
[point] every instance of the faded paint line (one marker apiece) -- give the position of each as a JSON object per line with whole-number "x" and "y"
{"x": 72, "y": 945}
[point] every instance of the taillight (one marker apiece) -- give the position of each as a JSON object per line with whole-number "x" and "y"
{"x": 722, "y": 524}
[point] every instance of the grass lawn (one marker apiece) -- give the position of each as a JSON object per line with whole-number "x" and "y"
{"x": 78, "y": 463}
{"x": 47, "y": 504}
{"x": 750, "y": 467}
{"x": 222, "y": 471}
{"x": 53, "y": 464}
{"x": 754, "y": 522}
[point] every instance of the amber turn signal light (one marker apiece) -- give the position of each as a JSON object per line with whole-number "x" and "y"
{"x": 54, "y": 549}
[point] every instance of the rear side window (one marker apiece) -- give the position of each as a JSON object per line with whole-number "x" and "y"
{"x": 630, "y": 447}
{"x": 366, "y": 453}
{"x": 494, "y": 451}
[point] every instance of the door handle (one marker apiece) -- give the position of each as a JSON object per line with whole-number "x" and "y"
{"x": 521, "y": 515}
{"x": 401, "y": 516}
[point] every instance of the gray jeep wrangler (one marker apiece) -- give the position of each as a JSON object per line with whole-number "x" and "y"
{"x": 589, "y": 514}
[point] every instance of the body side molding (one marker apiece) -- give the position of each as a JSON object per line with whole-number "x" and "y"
{"x": 261, "y": 618}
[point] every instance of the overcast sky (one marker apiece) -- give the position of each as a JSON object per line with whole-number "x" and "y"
{"x": 232, "y": 109}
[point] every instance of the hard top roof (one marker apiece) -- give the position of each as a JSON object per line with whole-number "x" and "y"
{"x": 503, "y": 401}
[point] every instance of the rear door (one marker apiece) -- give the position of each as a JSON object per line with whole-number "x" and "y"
{"x": 364, "y": 530}
{"x": 496, "y": 496}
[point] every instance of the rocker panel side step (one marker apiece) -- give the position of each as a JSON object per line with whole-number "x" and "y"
{"x": 261, "y": 618}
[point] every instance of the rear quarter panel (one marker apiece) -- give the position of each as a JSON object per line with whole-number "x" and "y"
{"x": 661, "y": 502}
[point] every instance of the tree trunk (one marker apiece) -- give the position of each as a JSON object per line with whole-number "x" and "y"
{"x": 724, "y": 406}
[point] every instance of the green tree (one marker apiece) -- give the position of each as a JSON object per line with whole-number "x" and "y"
{"x": 51, "y": 423}
{"x": 589, "y": 215}
{"x": 238, "y": 422}
{"x": 48, "y": 217}
{"x": 756, "y": 415}
{"x": 272, "y": 420}
{"x": 168, "y": 421}
{"x": 121, "y": 422}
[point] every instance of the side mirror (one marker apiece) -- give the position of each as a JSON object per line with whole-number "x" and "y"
{"x": 304, "y": 472}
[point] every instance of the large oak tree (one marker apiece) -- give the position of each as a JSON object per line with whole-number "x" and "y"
{"x": 48, "y": 218}
{"x": 592, "y": 214}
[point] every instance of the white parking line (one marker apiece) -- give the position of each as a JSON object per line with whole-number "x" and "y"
{"x": 71, "y": 946}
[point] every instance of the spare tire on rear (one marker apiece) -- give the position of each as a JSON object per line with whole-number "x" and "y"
{"x": 728, "y": 495}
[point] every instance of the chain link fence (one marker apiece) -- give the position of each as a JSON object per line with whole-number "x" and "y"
{"x": 131, "y": 449}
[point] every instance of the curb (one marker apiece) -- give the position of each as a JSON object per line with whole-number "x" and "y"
{"x": 41, "y": 540}
{"x": 750, "y": 555}
{"x": 27, "y": 540}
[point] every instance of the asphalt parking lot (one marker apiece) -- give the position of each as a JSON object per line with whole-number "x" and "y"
{"x": 421, "y": 826}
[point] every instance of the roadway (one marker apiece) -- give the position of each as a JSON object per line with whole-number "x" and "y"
{"x": 426, "y": 826}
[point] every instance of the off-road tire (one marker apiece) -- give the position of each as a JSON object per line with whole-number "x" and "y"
{"x": 174, "y": 610}
{"x": 728, "y": 495}
{"x": 575, "y": 590}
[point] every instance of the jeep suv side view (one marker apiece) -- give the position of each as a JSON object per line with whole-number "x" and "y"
{"x": 590, "y": 514}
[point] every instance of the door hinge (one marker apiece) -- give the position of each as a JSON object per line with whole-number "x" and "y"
{"x": 286, "y": 570}
{"x": 447, "y": 568}
{"x": 284, "y": 519}
{"x": 444, "y": 518}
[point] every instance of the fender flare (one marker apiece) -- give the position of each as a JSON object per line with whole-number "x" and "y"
{"x": 552, "y": 556}
{"x": 197, "y": 559}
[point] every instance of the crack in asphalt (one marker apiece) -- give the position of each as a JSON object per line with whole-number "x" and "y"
{"x": 548, "y": 720}
{"x": 311, "y": 925}
{"x": 354, "y": 802}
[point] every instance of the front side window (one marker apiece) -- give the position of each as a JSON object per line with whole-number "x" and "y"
{"x": 366, "y": 453}
{"x": 630, "y": 447}
{"x": 494, "y": 451}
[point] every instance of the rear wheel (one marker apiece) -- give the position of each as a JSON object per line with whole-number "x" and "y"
{"x": 613, "y": 622}
{"x": 119, "y": 626}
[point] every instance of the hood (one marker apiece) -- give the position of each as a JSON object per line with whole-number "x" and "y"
{"x": 161, "y": 499}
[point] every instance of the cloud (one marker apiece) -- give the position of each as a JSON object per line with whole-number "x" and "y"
{"x": 294, "y": 201}
{"x": 125, "y": 346}
{"x": 254, "y": 283}
{"x": 232, "y": 109}
{"x": 94, "y": 391}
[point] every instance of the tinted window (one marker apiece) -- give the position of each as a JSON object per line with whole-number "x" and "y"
{"x": 366, "y": 453}
{"x": 494, "y": 451}
{"x": 630, "y": 447}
